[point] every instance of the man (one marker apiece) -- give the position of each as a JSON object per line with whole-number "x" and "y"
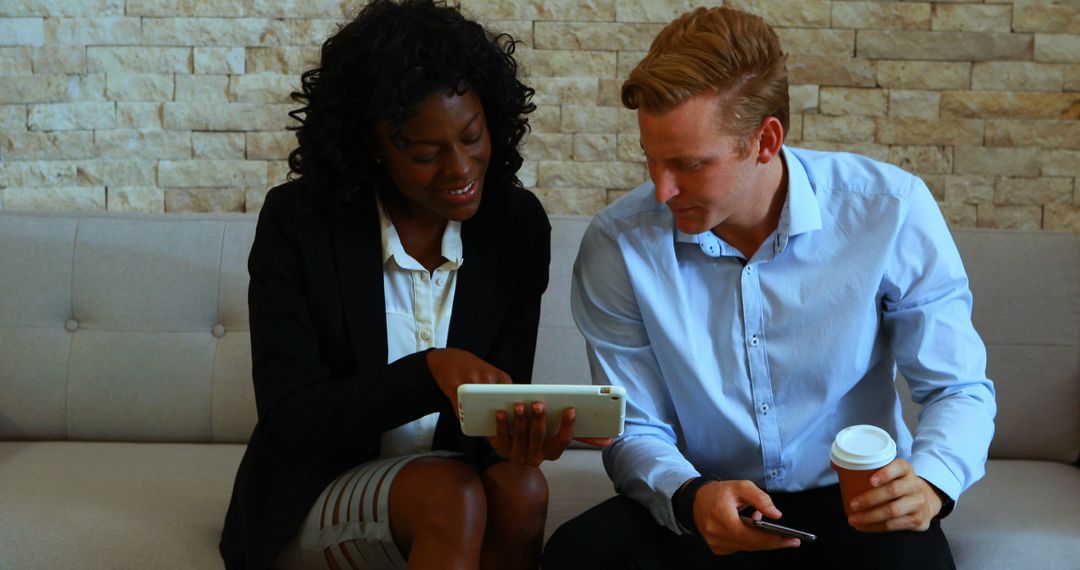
{"x": 754, "y": 300}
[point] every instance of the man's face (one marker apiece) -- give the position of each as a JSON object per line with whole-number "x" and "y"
{"x": 698, "y": 171}
{"x": 438, "y": 162}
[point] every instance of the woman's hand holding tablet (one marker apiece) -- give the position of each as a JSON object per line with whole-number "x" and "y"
{"x": 507, "y": 413}
{"x": 514, "y": 416}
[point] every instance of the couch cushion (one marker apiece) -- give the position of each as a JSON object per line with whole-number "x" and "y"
{"x": 576, "y": 482}
{"x": 113, "y": 505}
{"x": 162, "y": 505}
{"x": 36, "y": 256}
{"x": 1026, "y": 290}
{"x": 146, "y": 275}
{"x": 1022, "y": 515}
{"x": 33, "y": 382}
{"x": 125, "y": 327}
{"x": 560, "y": 348}
{"x": 135, "y": 386}
{"x": 35, "y": 277}
{"x": 1026, "y": 287}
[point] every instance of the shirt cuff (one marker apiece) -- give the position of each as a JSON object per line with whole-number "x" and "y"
{"x": 665, "y": 488}
{"x": 938, "y": 474}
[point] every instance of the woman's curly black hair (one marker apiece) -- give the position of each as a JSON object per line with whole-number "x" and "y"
{"x": 380, "y": 66}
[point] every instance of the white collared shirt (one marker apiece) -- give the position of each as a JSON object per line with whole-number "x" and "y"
{"x": 418, "y": 307}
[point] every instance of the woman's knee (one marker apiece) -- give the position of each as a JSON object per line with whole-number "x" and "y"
{"x": 519, "y": 481}
{"x": 439, "y": 496}
{"x": 516, "y": 492}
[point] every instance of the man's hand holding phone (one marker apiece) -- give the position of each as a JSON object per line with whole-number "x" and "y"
{"x": 716, "y": 514}
{"x": 754, "y": 519}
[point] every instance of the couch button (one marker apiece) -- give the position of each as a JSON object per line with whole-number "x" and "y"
{"x": 71, "y": 325}
{"x": 218, "y": 331}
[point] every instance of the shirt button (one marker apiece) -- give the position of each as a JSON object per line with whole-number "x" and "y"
{"x": 754, "y": 341}
{"x": 774, "y": 473}
{"x": 425, "y": 335}
{"x": 764, "y": 408}
{"x": 440, "y": 280}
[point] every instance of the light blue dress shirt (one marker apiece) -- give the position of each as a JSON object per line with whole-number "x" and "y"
{"x": 748, "y": 369}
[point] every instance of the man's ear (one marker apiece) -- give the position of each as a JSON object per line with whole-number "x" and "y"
{"x": 770, "y": 139}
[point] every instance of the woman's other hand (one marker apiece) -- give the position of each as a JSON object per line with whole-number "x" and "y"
{"x": 453, "y": 367}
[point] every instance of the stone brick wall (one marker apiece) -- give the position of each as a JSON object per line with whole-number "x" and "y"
{"x": 180, "y": 105}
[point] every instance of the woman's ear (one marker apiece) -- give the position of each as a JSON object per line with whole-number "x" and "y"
{"x": 373, "y": 149}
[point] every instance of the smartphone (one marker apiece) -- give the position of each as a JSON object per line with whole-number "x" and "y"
{"x": 774, "y": 528}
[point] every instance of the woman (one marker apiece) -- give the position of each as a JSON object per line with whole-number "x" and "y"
{"x": 404, "y": 260}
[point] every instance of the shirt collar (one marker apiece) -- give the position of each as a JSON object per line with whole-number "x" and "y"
{"x": 801, "y": 213}
{"x": 392, "y": 247}
{"x": 801, "y": 207}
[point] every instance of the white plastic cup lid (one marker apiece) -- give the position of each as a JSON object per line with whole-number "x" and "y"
{"x": 863, "y": 447}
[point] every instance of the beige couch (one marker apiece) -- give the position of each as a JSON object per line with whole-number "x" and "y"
{"x": 125, "y": 393}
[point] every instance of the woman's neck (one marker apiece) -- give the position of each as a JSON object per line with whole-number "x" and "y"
{"x": 421, "y": 235}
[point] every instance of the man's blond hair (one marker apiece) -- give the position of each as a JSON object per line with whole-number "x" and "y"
{"x": 730, "y": 53}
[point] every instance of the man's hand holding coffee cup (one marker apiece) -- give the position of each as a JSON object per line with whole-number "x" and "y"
{"x": 716, "y": 514}
{"x": 899, "y": 500}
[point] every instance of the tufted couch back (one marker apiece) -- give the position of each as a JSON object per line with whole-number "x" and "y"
{"x": 125, "y": 328}
{"x": 134, "y": 328}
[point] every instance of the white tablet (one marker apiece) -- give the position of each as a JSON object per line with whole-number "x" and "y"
{"x": 600, "y": 410}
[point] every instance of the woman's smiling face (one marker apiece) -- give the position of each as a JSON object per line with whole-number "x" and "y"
{"x": 439, "y": 159}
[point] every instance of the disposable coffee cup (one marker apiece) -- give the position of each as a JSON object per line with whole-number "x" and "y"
{"x": 857, "y": 452}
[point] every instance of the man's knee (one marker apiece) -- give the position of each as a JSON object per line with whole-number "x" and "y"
{"x": 569, "y": 548}
{"x": 901, "y": 550}
{"x": 608, "y": 536}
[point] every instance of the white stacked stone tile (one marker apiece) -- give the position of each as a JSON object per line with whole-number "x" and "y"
{"x": 182, "y": 105}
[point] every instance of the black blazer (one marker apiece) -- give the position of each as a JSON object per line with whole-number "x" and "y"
{"x": 323, "y": 389}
